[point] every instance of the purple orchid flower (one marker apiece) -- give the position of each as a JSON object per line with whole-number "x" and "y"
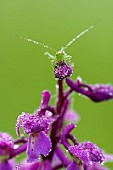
{"x": 6, "y": 145}
{"x": 36, "y": 125}
{"x": 62, "y": 70}
{"x": 38, "y": 141}
{"x": 86, "y": 152}
{"x": 45, "y": 127}
{"x": 97, "y": 92}
{"x": 73, "y": 166}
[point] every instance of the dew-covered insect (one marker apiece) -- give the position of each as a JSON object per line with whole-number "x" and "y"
{"x": 61, "y": 60}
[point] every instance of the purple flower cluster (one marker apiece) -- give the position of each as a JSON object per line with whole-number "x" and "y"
{"x": 49, "y": 128}
{"x": 62, "y": 70}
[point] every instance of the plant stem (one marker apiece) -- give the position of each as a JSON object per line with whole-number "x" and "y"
{"x": 55, "y": 127}
{"x": 65, "y": 161}
{"x": 21, "y": 140}
{"x": 60, "y": 96}
{"x": 18, "y": 151}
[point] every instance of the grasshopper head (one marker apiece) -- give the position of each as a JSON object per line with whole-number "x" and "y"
{"x": 60, "y": 55}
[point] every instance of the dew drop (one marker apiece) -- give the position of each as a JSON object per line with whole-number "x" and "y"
{"x": 102, "y": 163}
{"x": 110, "y": 93}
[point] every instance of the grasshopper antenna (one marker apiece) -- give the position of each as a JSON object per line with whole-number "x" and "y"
{"x": 38, "y": 43}
{"x": 78, "y": 36}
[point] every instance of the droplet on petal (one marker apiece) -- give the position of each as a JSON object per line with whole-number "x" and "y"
{"x": 41, "y": 124}
{"x": 62, "y": 70}
{"x": 87, "y": 152}
{"x": 97, "y": 92}
{"x": 32, "y": 123}
{"x": 100, "y": 92}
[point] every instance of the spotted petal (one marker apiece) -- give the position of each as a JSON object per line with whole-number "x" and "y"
{"x": 38, "y": 144}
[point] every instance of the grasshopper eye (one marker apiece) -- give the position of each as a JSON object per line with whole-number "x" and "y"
{"x": 62, "y": 52}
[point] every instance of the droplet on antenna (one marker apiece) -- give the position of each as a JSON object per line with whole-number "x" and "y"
{"x": 79, "y": 35}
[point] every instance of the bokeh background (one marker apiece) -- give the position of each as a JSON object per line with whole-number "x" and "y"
{"x": 25, "y": 71}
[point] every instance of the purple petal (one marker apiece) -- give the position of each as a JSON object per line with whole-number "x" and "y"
{"x": 45, "y": 98}
{"x": 6, "y": 144}
{"x": 5, "y": 166}
{"x": 6, "y": 140}
{"x": 62, "y": 156}
{"x": 28, "y": 121}
{"x": 46, "y": 165}
{"x": 108, "y": 157}
{"x": 72, "y": 166}
{"x": 71, "y": 116}
{"x": 38, "y": 144}
{"x": 62, "y": 70}
{"x": 29, "y": 166}
{"x": 96, "y": 166}
{"x": 55, "y": 161}
{"x": 41, "y": 124}
{"x": 24, "y": 120}
{"x": 65, "y": 133}
{"x": 87, "y": 152}
{"x": 32, "y": 123}
{"x": 100, "y": 92}
{"x": 97, "y": 93}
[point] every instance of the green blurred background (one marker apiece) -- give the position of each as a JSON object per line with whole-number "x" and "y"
{"x": 25, "y": 71}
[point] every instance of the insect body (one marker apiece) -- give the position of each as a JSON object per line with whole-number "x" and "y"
{"x": 61, "y": 61}
{"x": 59, "y": 56}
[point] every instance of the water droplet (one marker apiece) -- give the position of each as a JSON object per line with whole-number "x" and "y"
{"x": 110, "y": 93}
{"x": 102, "y": 163}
